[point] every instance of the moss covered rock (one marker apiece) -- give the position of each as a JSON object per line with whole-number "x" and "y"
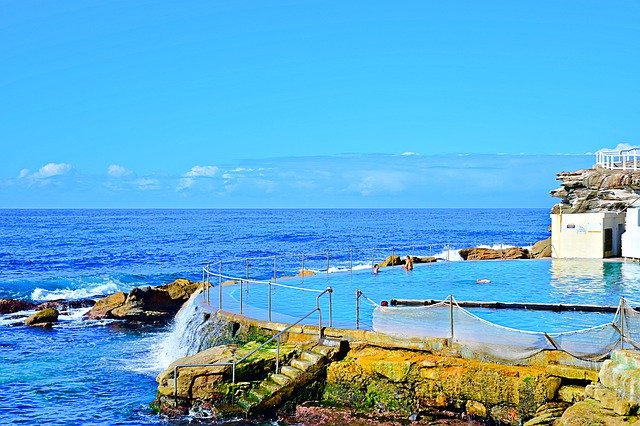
{"x": 43, "y": 318}
{"x": 410, "y": 381}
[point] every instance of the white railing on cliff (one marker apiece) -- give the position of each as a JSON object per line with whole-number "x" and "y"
{"x": 626, "y": 159}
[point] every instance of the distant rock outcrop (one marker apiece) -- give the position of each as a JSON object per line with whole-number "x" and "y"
{"x": 9, "y": 306}
{"x": 596, "y": 190}
{"x": 145, "y": 304}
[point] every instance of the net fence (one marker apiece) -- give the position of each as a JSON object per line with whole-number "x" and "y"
{"x": 447, "y": 319}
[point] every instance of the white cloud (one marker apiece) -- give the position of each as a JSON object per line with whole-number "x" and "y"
{"x": 189, "y": 179}
{"x": 115, "y": 170}
{"x": 46, "y": 171}
{"x": 206, "y": 171}
{"x": 387, "y": 182}
{"x": 147, "y": 183}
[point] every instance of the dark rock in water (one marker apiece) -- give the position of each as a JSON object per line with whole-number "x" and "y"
{"x": 9, "y": 306}
{"x": 145, "y": 304}
{"x": 391, "y": 260}
{"x": 43, "y": 318}
{"x": 480, "y": 253}
{"x": 424, "y": 259}
{"x": 65, "y": 305}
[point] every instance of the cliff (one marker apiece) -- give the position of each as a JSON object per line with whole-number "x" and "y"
{"x": 596, "y": 189}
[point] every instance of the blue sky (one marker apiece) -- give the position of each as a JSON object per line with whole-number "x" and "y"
{"x": 310, "y": 103}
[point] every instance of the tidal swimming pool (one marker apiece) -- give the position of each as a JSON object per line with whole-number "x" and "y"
{"x": 554, "y": 281}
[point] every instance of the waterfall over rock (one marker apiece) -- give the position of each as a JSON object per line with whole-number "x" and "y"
{"x": 193, "y": 330}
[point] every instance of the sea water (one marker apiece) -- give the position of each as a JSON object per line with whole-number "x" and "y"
{"x": 102, "y": 372}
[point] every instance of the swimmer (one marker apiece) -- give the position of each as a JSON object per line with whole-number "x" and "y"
{"x": 408, "y": 263}
{"x": 375, "y": 269}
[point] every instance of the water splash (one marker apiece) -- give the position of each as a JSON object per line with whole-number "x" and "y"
{"x": 41, "y": 294}
{"x": 193, "y": 330}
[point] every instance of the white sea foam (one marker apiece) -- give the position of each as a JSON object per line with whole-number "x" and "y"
{"x": 41, "y": 294}
{"x": 182, "y": 339}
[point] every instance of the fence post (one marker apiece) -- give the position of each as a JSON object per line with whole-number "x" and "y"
{"x": 247, "y": 274}
{"x": 358, "y": 294}
{"x": 451, "y": 315}
{"x": 278, "y": 355}
{"x": 327, "y": 264}
{"x": 330, "y": 307}
{"x": 622, "y": 321}
{"x": 220, "y": 285}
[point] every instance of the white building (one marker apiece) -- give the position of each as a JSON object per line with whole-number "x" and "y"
{"x": 588, "y": 235}
{"x": 631, "y": 237}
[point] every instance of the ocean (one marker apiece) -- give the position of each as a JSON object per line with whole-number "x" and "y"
{"x": 103, "y": 372}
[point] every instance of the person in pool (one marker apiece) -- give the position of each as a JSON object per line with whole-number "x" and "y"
{"x": 408, "y": 263}
{"x": 375, "y": 269}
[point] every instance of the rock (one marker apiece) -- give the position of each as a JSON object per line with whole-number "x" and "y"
{"x": 211, "y": 384}
{"x": 9, "y": 306}
{"x": 424, "y": 259}
{"x": 421, "y": 380}
{"x": 622, "y": 373}
{"x": 44, "y": 317}
{"x": 596, "y": 190}
{"x": 481, "y": 253}
{"x": 103, "y": 307}
{"x": 590, "y": 413}
{"x": 145, "y": 304}
{"x": 305, "y": 273}
{"x": 547, "y": 414}
{"x": 570, "y": 393}
{"x": 541, "y": 249}
{"x": 391, "y": 260}
{"x": 65, "y": 305}
{"x": 475, "y": 408}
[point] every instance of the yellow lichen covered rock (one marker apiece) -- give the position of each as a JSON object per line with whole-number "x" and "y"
{"x": 408, "y": 381}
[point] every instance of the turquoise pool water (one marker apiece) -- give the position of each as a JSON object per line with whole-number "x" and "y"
{"x": 564, "y": 281}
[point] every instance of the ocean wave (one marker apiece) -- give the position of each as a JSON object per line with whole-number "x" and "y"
{"x": 41, "y": 294}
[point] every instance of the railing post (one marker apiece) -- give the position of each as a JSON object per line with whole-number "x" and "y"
{"x": 622, "y": 321}
{"x": 351, "y": 261}
{"x": 327, "y": 264}
{"x": 302, "y": 270}
{"x": 269, "y": 302}
{"x": 319, "y": 322}
{"x": 358, "y": 294}
{"x": 233, "y": 382}
{"x": 247, "y": 273}
{"x": 451, "y": 315}
{"x": 393, "y": 254}
{"x": 240, "y": 297}
{"x": 330, "y": 290}
{"x": 220, "y": 285}
{"x": 278, "y": 356}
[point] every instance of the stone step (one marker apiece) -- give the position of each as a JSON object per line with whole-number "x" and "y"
{"x": 258, "y": 394}
{"x": 290, "y": 371}
{"x": 245, "y": 403}
{"x": 280, "y": 379}
{"x": 301, "y": 364}
{"x": 325, "y": 350}
{"x": 313, "y": 357}
{"x": 270, "y": 386}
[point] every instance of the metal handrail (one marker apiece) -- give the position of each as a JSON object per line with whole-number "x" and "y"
{"x": 277, "y": 337}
